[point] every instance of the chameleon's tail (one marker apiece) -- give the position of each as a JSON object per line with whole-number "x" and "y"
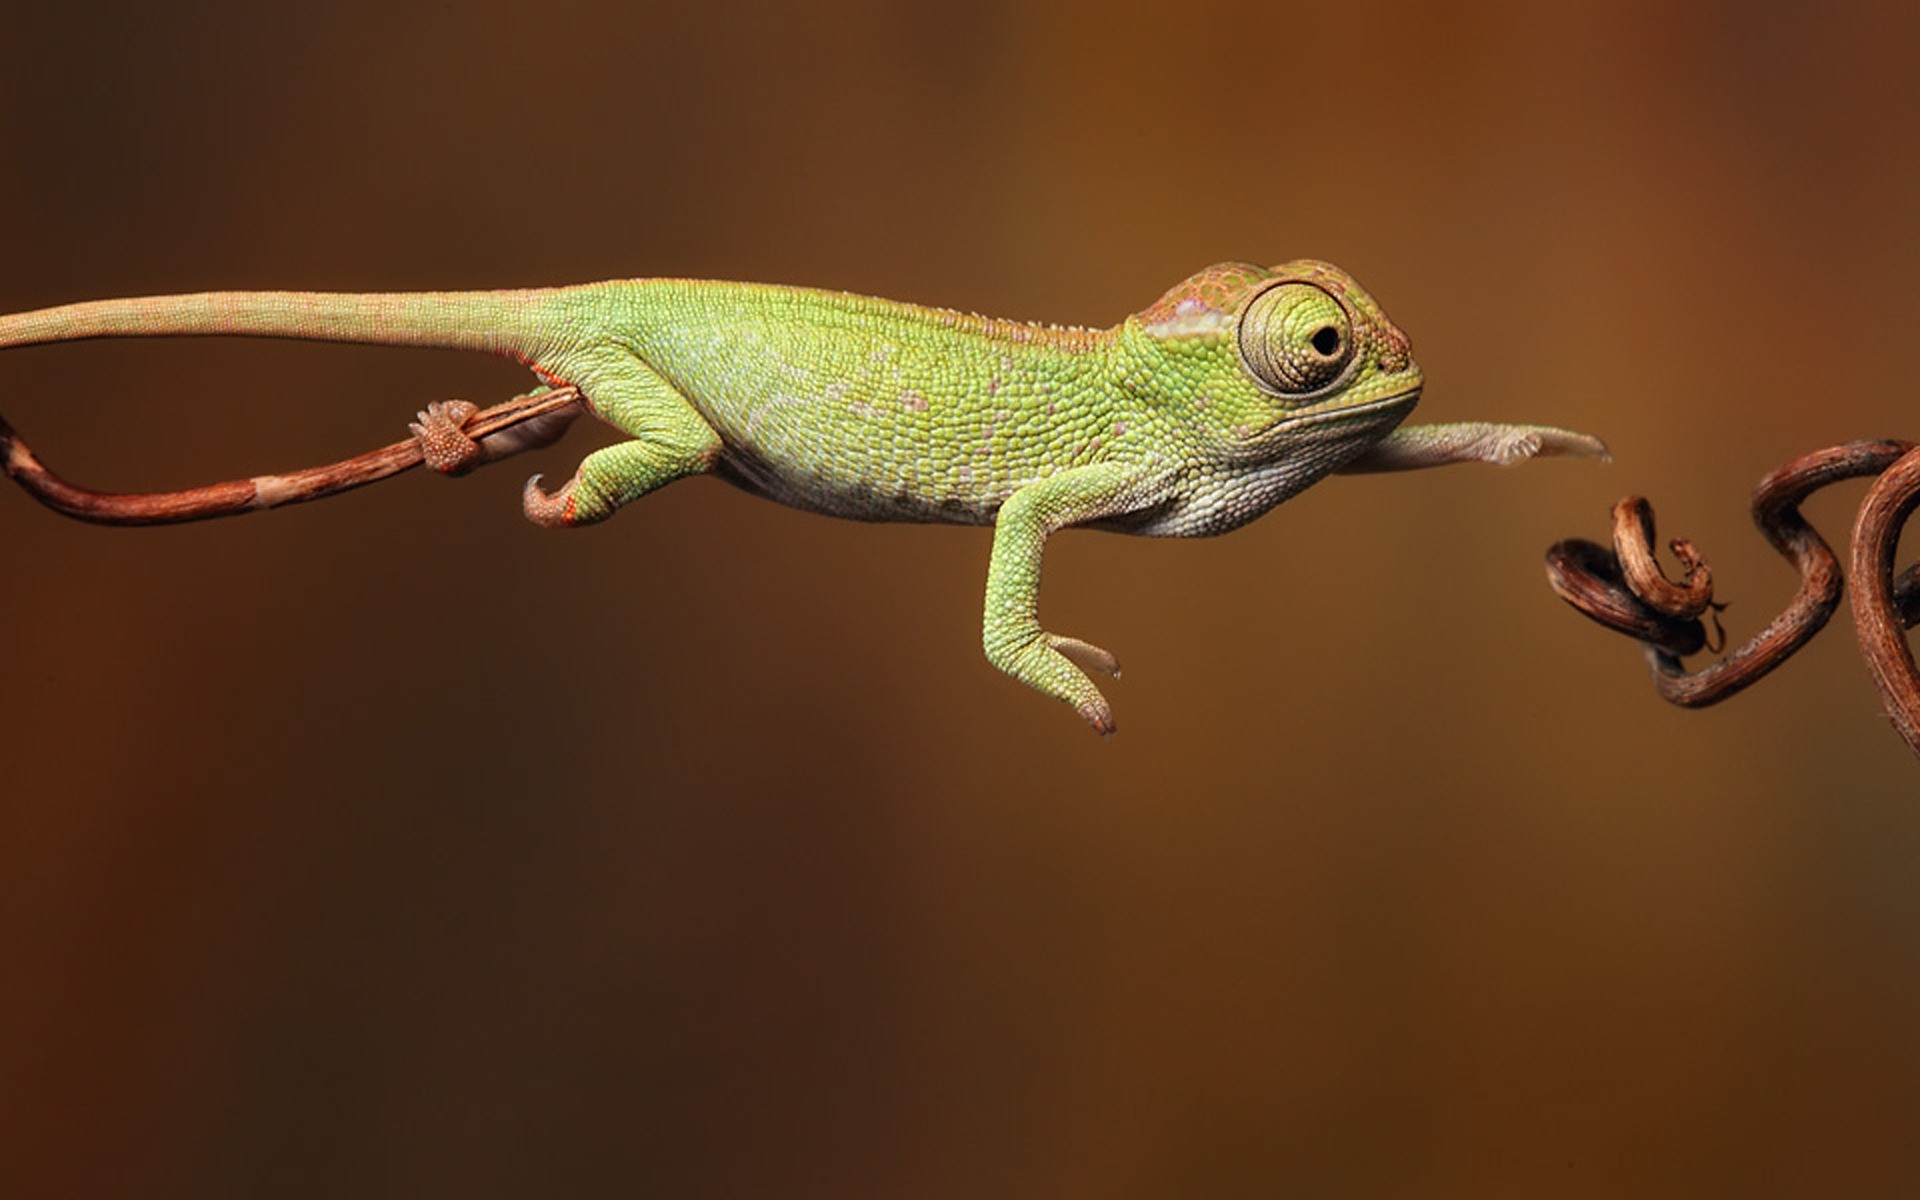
{"x": 515, "y": 323}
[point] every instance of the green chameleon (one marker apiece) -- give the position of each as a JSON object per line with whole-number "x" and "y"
{"x": 1235, "y": 390}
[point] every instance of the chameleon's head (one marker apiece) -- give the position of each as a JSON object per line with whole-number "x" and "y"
{"x": 1285, "y": 354}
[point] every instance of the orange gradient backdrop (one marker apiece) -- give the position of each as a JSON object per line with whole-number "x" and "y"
{"x": 393, "y": 846}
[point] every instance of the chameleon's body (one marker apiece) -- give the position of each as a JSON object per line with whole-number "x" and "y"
{"x": 1235, "y": 390}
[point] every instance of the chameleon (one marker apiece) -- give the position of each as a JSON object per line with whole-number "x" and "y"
{"x": 1235, "y": 390}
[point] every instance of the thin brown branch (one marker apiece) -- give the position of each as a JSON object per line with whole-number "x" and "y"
{"x": 1633, "y": 546}
{"x": 261, "y": 491}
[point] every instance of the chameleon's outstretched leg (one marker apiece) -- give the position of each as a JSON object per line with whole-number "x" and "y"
{"x": 671, "y": 441}
{"x": 1411, "y": 447}
{"x": 1014, "y": 640}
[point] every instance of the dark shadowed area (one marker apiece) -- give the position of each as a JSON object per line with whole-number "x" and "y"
{"x": 394, "y": 847}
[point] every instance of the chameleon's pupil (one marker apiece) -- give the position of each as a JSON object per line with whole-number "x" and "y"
{"x": 1294, "y": 339}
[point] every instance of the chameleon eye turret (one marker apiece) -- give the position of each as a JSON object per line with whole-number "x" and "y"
{"x": 1296, "y": 340}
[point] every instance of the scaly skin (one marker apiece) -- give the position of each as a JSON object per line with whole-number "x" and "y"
{"x": 1235, "y": 390}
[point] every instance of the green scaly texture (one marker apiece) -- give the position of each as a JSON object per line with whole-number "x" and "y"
{"x": 1236, "y": 389}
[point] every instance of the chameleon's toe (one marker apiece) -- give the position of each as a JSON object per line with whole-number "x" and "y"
{"x": 1516, "y": 447}
{"x": 551, "y": 511}
{"x": 1086, "y": 655}
{"x": 1057, "y": 666}
{"x": 1525, "y": 442}
{"x": 1573, "y": 445}
{"x": 1099, "y": 715}
{"x": 444, "y": 444}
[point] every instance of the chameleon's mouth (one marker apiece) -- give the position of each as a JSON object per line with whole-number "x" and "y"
{"x": 1349, "y": 412}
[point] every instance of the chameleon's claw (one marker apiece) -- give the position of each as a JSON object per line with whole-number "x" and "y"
{"x": 550, "y": 511}
{"x": 444, "y": 444}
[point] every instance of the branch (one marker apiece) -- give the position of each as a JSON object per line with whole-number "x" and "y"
{"x": 261, "y": 491}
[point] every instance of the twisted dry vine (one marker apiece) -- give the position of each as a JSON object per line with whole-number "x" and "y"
{"x": 1624, "y": 588}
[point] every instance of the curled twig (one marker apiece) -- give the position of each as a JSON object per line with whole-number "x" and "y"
{"x": 261, "y": 491}
{"x": 1633, "y": 546}
{"x": 1589, "y": 576}
{"x": 1625, "y": 590}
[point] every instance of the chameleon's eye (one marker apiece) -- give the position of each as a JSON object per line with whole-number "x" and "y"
{"x": 1295, "y": 339}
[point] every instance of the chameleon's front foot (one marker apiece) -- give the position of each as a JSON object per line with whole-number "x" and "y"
{"x": 1052, "y": 664}
{"x": 1412, "y": 447}
{"x": 1510, "y": 445}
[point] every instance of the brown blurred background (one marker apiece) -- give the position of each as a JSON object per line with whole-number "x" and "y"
{"x": 392, "y": 846}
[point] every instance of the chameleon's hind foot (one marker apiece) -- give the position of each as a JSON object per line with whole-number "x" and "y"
{"x": 616, "y": 475}
{"x": 441, "y": 432}
{"x": 445, "y": 445}
{"x": 550, "y": 510}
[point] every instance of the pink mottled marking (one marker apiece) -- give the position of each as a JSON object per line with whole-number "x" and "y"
{"x": 913, "y": 401}
{"x": 1219, "y": 288}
